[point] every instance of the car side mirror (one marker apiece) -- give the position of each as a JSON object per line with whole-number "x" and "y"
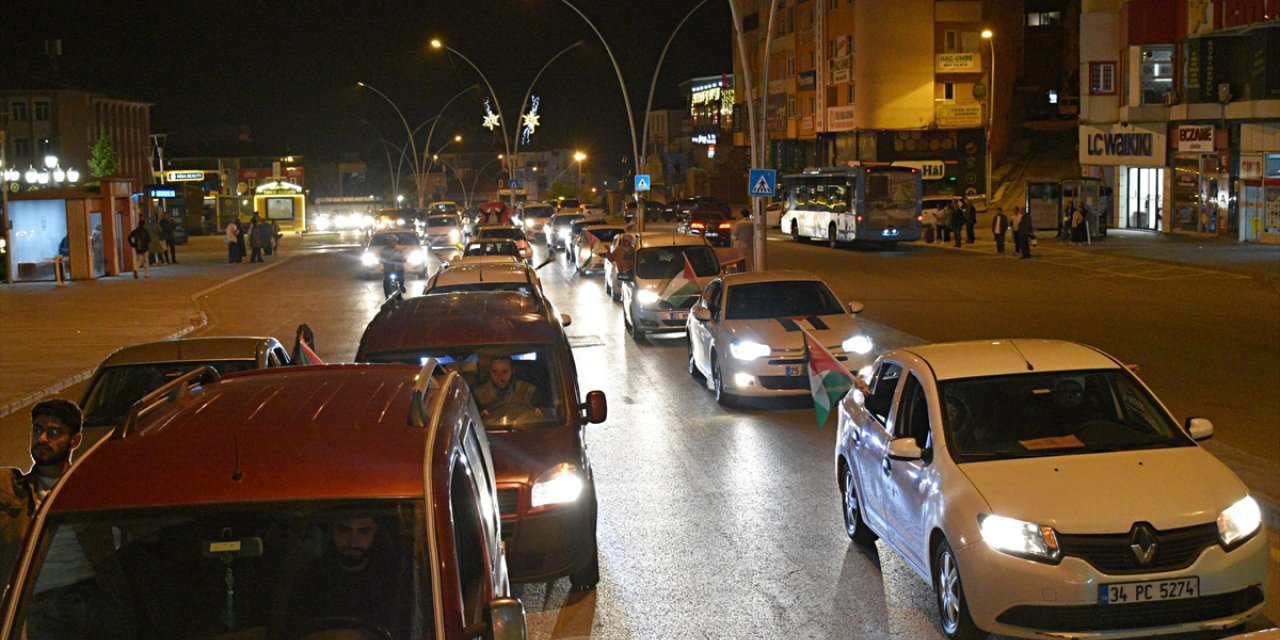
{"x": 504, "y": 618}
{"x": 904, "y": 449}
{"x": 624, "y": 276}
{"x": 1199, "y": 428}
{"x": 855, "y": 307}
{"x": 597, "y": 407}
{"x": 565, "y": 320}
{"x": 701, "y": 313}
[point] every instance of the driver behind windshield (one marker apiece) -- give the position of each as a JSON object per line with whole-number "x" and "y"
{"x": 503, "y": 393}
{"x": 353, "y": 585}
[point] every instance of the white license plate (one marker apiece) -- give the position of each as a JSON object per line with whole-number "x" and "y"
{"x": 678, "y": 315}
{"x": 1148, "y": 591}
{"x": 794, "y": 370}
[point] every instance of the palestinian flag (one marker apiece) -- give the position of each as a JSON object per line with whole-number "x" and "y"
{"x": 828, "y": 379}
{"x": 681, "y": 287}
{"x": 306, "y": 355}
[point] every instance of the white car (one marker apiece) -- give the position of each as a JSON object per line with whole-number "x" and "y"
{"x": 417, "y": 257}
{"x": 485, "y": 276}
{"x": 773, "y": 214}
{"x": 656, "y": 294}
{"x": 746, "y": 334}
{"x": 533, "y": 217}
{"x": 1043, "y": 491}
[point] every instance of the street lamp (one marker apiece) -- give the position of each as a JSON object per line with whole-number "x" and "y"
{"x": 417, "y": 168}
{"x": 515, "y": 148}
{"x": 578, "y": 157}
{"x": 991, "y": 104}
{"x": 436, "y": 43}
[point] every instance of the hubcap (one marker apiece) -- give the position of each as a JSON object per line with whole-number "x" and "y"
{"x": 850, "y": 504}
{"x": 949, "y": 592}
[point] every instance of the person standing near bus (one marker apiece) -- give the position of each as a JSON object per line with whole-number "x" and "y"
{"x": 999, "y": 225}
{"x": 956, "y": 218}
{"x": 1025, "y": 230}
{"x": 970, "y": 218}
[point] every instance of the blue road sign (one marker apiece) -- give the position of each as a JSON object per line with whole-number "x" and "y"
{"x": 642, "y": 182}
{"x": 762, "y": 182}
{"x": 515, "y": 183}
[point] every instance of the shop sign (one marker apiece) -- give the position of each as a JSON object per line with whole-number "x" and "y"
{"x": 958, "y": 63}
{"x": 1251, "y": 167}
{"x": 807, "y": 79}
{"x": 959, "y": 115}
{"x": 1123, "y": 145}
{"x": 840, "y": 118}
{"x": 929, "y": 169}
{"x": 806, "y": 124}
{"x": 840, "y": 69}
{"x": 1196, "y": 138}
{"x": 183, "y": 176}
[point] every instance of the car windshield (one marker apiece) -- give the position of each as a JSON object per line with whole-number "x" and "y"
{"x": 569, "y": 203}
{"x": 115, "y": 389}
{"x": 383, "y": 239}
{"x": 563, "y": 219}
{"x": 1055, "y": 413}
{"x": 780, "y": 300}
{"x": 604, "y": 236}
{"x": 519, "y": 287}
{"x": 248, "y": 571}
{"x": 538, "y": 212}
{"x": 515, "y": 387}
{"x": 442, "y": 221}
{"x": 657, "y": 263}
{"x": 503, "y": 248}
{"x": 511, "y": 233}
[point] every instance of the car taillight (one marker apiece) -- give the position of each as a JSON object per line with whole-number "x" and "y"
{"x": 725, "y": 225}
{"x": 697, "y": 225}
{"x": 859, "y": 218}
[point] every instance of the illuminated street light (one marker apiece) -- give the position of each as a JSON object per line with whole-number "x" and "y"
{"x": 436, "y": 43}
{"x": 991, "y": 107}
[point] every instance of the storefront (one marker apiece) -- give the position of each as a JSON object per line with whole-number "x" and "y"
{"x": 1258, "y": 188}
{"x": 1134, "y": 156}
{"x": 1200, "y": 190}
{"x": 87, "y": 227}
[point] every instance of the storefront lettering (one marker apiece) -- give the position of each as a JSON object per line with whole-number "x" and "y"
{"x": 1120, "y": 144}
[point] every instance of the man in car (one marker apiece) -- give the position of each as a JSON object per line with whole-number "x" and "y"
{"x": 354, "y": 585}
{"x": 503, "y": 393}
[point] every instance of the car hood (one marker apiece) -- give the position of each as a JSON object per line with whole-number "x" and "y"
{"x": 520, "y": 456}
{"x": 785, "y": 333}
{"x": 1108, "y": 492}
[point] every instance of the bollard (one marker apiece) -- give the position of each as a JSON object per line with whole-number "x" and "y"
{"x": 57, "y": 271}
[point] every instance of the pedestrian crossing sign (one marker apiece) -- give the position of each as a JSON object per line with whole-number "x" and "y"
{"x": 642, "y": 182}
{"x": 762, "y": 183}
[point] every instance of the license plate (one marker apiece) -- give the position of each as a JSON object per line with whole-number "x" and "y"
{"x": 1148, "y": 591}
{"x": 794, "y": 370}
{"x": 679, "y": 315}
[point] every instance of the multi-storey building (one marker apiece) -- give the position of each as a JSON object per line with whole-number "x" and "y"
{"x": 1180, "y": 110}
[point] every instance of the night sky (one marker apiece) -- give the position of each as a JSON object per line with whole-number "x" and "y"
{"x": 288, "y": 69}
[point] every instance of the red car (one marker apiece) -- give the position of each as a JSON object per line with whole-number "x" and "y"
{"x": 286, "y": 503}
{"x": 512, "y": 350}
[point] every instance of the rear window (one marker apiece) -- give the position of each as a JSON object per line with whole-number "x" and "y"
{"x": 116, "y": 389}
{"x": 538, "y": 212}
{"x": 505, "y": 248}
{"x": 511, "y": 233}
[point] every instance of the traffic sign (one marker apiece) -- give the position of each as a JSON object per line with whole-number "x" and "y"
{"x": 515, "y": 183}
{"x": 642, "y": 182}
{"x": 762, "y": 182}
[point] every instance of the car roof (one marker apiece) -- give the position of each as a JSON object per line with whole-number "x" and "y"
{"x": 347, "y": 431}
{"x": 485, "y": 227}
{"x": 455, "y": 319}
{"x": 211, "y": 348}
{"x": 467, "y": 273}
{"x": 619, "y": 227}
{"x": 780, "y": 275}
{"x": 977, "y": 358}
{"x": 649, "y": 239}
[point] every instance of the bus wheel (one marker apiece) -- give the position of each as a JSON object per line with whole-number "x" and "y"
{"x": 831, "y": 236}
{"x": 795, "y": 231}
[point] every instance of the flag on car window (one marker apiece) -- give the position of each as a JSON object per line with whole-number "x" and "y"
{"x": 681, "y": 287}
{"x": 828, "y": 379}
{"x": 306, "y": 355}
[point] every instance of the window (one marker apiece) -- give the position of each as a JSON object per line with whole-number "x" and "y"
{"x": 18, "y": 111}
{"x": 913, "y": 414}
{"x": 832, "y": 5}
{"x": 1157, "y": 73}
{"x": 883, "y": 386}
{"x": 949, "y": 91}
{"x": 850, "y": 91}
{"x": 1102, "y": 78}
{"x": 1043, "y": 18}
{"x": 21, "y": 147}
{"x": 46, "y": 147}
{"x": 42, "y": 110}
{"x": 950, "y": 41}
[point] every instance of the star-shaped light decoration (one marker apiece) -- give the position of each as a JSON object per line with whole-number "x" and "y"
{"x": 490, "y": 118}
{"x": 531, "y": 120}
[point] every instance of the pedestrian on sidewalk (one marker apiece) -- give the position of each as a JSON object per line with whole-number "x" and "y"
{"x": 233, "y": 249}
{"x": 970, "y": 218}
{"x": 930, "y": 225}
{"x": 944, "y": 222}
{"x": 999, "y": 225}
{"x": 1079, "y": 232}
{"x": 275, "y": 238}
{"x": 158, "y": 252}
{"x": 256, "y": 237}
{"x": 1064, "y": 224}
{"x": 140, "y": 240}
{"x": 241, "y": 228}
{"x": 1027, "y": 232}
{"x": 168, "y": 230}
{"x": 744, "y": 237}
{"x": 956, "y": 218}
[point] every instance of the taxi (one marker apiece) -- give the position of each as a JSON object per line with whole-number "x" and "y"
{"x": 746, "y": 333}
{"x": 205, "y": 530}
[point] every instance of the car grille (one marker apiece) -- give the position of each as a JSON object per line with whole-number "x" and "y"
{"x": 1111, "y": 553}
{"x": 784, "y": 383}
{"x": 509, "y": 502}
{"x": 1132, "y": 616}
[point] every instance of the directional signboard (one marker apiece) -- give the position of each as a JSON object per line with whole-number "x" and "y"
{"x": 183, "y": 176}
{"x": 642, "y": 182}
{"x": 762, "y": 182}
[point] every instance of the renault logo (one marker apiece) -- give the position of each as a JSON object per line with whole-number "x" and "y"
{"x": 1142, "y": 542}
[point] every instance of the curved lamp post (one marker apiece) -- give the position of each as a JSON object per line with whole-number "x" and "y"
{"x": 417, "y": 168}
{"x": 436, "y": 43}
{"x": 991, "y": 107}
{"x": 515, "y": 148}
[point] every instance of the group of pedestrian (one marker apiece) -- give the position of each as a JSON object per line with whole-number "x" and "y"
{"x": 263, "y": 239}
{"x": 955, "y": 219}
{"x": 155, "y": 242}
{"x": 1073, "y": 225}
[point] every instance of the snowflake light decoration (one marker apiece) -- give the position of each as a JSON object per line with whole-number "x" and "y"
{"x": 531, "y": 120}
{"x": 490, "y": 118}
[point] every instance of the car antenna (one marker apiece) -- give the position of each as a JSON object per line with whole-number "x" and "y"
{"x": 1022, "y": 355}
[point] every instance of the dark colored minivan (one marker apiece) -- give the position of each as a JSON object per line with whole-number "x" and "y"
{"x": 512, "y": 351}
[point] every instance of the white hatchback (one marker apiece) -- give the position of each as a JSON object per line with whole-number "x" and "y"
{"x": 746, "y": 333}
{"x": 1044, "y": 491}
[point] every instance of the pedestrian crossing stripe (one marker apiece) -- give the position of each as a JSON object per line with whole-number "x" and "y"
{"x": 762, "y": 187}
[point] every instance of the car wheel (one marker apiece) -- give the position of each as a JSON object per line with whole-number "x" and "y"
{"x": 831, "y": 236}
{"x": 693, "y": 365}
{"x": 717, "y": 383}
{"x": 853, "y": 523}
{"x": 952, "y": 608}
{"x": 795, "y": 231}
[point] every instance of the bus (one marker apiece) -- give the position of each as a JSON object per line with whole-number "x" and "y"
{"x": 863, "y": 204}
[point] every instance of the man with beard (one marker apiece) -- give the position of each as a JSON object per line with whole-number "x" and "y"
{"x": 80, "y": 591}
{"x": 503, "y": 394}
{"x": 354, "y": 585}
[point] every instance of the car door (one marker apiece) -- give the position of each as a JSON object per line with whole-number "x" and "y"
{"x": 871, "y": 442}
{"x": 704, "y": 333}
{"x": 908, "y": 481}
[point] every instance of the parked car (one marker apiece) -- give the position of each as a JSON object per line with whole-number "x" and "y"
{"x": 512, "y": 350}
{"x": 745, "y": 338}
{"x": 418, "y": 258}
{"x": 716, "y": 227}
{"x": 200, "y": 528}
{"x": 773, "y": 213}
{"x": 1044, "y": 491}
{"x": 659, "y": 290}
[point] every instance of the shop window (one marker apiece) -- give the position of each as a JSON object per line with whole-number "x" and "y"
{"x": 1273, "y": 165}
{"x": 18, "y": 111}
{"x": 1156, "y": 75}
{"x": 1102, "y": 78}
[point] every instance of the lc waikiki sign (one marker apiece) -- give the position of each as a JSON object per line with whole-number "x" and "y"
{"x": 1121, "y": 145}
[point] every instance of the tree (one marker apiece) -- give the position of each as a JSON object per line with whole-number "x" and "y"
{"x": 102, "y": 158}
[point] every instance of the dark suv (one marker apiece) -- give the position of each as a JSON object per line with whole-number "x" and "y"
{"x": 512, "y": 350}
{"x": 201, "y": 528}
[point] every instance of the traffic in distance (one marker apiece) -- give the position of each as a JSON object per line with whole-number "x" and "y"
{"x": 976, "y": 462}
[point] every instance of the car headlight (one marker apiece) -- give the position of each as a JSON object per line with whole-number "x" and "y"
{"x": 561, "y": 484}
{"x": 749, "y": 349}
{"x": 415, "y": 257}
{"x": 400, "y": 222}
{"x": 564, "y": 234}
{"x": 368, "y": 259}
{"x": 858, "y": 344}
{"x": 1238, "y": 522}
{"x": 647, "y": 296}
{"x": 1018, "y": 538}
{"x": 455, "y": 235}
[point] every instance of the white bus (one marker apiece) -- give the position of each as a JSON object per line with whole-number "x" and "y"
{"x": 865, "y": 204}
